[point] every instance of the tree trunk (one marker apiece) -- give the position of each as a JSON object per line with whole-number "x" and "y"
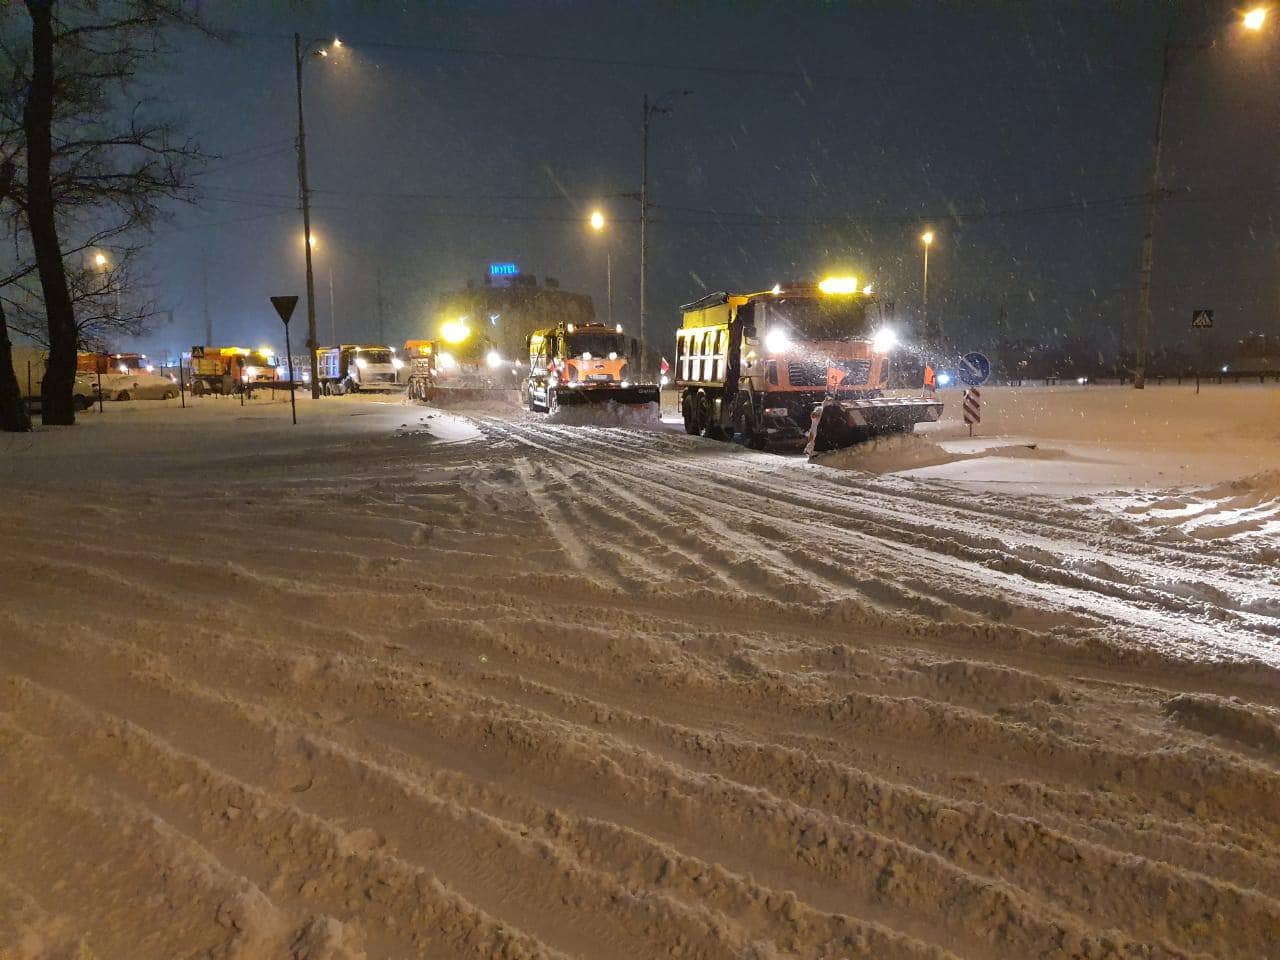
{"x": 57, "y": 404}
{"x": 13, "y": 412}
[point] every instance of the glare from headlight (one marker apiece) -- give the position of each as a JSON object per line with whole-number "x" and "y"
{"x": 776, "y": 341}
{"x": 884, "y": 340}
{"x": 361, "y": 362}
{"x": 445, "y": 360}
{"x": 494, "y": 359}
{"x": 397, "y": 363}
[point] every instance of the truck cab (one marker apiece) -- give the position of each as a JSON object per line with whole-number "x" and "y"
{"x": 796, "y": 361}
{"x": 582, "y": 363}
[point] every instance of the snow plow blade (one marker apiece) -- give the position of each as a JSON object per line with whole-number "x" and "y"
{"x": 639, "y": 393}
{"x": 842, "y": 423}
{"x": 464, "y": 394}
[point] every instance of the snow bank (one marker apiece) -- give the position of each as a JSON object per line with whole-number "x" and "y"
{"x": 611, "y": 414}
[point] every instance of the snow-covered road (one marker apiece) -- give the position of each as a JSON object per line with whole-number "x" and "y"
{"x": 421, "y": 684}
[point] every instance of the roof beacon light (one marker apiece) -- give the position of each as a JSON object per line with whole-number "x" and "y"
{"x": 839, "y": 285}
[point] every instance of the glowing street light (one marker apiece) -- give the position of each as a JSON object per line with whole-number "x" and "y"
{"x": 1255, "y": 19}
{"x": 100, "y": 260}
{"x": 598, "y": 224}
{"x": 926, "y": 238}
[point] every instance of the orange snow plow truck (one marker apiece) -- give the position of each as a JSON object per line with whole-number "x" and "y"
{"x": 800, "y": 362}
{"x": 573, "y": 364}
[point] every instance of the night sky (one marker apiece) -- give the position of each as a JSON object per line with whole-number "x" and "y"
{"x": 816, "y": 138}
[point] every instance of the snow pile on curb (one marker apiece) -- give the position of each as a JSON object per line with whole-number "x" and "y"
{"x": 889, "y": 454}
{"x": 611, "y": 414}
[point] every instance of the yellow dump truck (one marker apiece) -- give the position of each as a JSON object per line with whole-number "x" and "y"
{"x": 800, "y": 361}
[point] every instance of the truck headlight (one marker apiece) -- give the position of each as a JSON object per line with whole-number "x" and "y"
{"x": 884, "y": 340}
{"x": 361, "y": 362}
{"x": 397, "y": 363}
{"x": 776, "y": 341}
{"x": 494, "y": 359}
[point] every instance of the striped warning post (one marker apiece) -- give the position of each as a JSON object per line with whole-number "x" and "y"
{"x": 972, "y": 407}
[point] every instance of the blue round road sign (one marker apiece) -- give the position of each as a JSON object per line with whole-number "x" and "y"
{"x": 974, "y": 369}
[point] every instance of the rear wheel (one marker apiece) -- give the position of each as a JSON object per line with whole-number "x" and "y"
{"x": 168, "y": 395}
{"x": 197, "y": 388}
{"x": 711, "y": 428}
{"x": 122, "y": 395}
{"x": 688, "y": 410}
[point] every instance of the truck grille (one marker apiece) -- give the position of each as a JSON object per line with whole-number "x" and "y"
{"x": 813, "y": 373}
{"x": 856, "y": 371}
{"x": 807, "y": 373}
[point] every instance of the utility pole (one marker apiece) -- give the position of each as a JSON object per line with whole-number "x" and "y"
{"x": 305, "y": 193}
{"x": 644, "y": 227}
{"x": 381, "y": 307}
{"x": 648, "y": 110}
{"x": 204, "y": 285}
{"x": 1148, "y": 251}
{"x": 333, "y": 313}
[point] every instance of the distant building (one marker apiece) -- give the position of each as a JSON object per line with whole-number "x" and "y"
{"x": 507, "y": 307}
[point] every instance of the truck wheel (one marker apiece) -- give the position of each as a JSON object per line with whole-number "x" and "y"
{"x": 197, "y": 388}
{"x": 710, "y": 428}
{"x": 351, "y": 386}
{"x": 688, "y": 410}
{"x": 744, "y": 419}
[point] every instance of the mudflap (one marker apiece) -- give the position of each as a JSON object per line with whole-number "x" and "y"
{"x": 842, "y": 423}
{"x": 579, "y": 396}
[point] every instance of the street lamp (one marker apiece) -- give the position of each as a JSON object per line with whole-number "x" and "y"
{"x": 926, "y": 238}
{"x": 598, "y": 224}
{"x": 100, "y": 261}
{"x": 662, "y": 106}
{"x": 1253, "y": 21}
{"x": 300, "y": 52}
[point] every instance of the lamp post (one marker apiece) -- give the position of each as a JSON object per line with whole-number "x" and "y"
{"x": 598, "y": 224}
{"x": 926, "y": 238}
{"x": 659, "y": 107}
{"x": 1253, "y": 20}
{"x": 300, "y": 52}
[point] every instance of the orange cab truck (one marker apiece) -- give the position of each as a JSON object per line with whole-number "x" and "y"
{"x": 798, "y": 361}
{"x": 420, "y": 367}
{"x": 582, "y": 363}
{"x": 230, "y": 369}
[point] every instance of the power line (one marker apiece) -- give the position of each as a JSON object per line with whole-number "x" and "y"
{"x": 799, "y": 74}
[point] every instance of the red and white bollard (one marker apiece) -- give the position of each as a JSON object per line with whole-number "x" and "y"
{"x": 972, "y": 407}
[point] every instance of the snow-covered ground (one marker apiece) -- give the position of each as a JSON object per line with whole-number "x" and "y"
{"x": 402, "y": 681}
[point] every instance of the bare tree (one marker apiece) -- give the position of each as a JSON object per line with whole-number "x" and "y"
{"x": 98, "y": 164}
{"x": 13, "y": 411}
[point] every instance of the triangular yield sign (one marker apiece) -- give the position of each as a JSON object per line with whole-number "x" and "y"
{"x": 284, "y": 306}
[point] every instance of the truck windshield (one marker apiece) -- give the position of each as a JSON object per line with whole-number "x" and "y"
{"x": 596, "y": 344}
{"x": 816, "y": 318}
{"x": 375, "y": 356}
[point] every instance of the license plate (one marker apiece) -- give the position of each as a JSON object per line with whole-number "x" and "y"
{"x": 599, "y": 376}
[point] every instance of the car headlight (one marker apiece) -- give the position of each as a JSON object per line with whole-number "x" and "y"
{"x": 884, "y": 340}
{"x": 776, "y": 341}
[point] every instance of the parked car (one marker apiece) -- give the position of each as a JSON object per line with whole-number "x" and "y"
{"x": 138, "y": 386}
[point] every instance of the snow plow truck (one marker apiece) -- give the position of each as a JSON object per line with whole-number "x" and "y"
{"x": 799, "y": 363}
{"x": 582, "y": 363}
{"x": 353, "y": 367}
